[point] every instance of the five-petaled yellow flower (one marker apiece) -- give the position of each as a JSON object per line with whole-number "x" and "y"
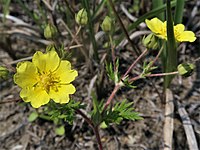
{"x": 159, "y": 29}
{"x": 46, "y": 77}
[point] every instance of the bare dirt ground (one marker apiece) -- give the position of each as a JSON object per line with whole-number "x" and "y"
{"x": 16, "y": 133}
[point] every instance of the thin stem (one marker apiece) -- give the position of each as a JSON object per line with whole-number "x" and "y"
{"x": 122, "y": 26}
{"x": 112, "y": 51}
{"x": 96, "y": 131}
{"x": 111, "y": 97}
{"x": 159, "y": 53}
{"x": 94, "y": 128}
{"x": 162, "y": 74}
{"x": 134, "y": 63}
{"x": 153, "y": 75}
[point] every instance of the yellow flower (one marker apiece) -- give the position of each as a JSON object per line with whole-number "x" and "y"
{"x": 159, "y": 28}
{"x": 183, "y": 36}
{"x": 46, "y": 77}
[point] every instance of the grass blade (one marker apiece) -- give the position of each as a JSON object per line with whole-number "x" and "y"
{"x": 171, "y": 46}
{"x": 179, "y": 11}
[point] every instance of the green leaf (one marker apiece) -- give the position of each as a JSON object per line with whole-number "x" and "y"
{"x": 110, "y": 72}
{"x": 121, "y": 110}
{"x": 33, "y": 116}
{"x": 60, "y": 130}
{"x": 96, "y": 115}
{"x": 62, "y": 112}
{"x": 171, "y": 47}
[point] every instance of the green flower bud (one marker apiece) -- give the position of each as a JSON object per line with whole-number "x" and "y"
{"x": 81, "y": 17}
{"x": 185, "y": 69}
{"x": 3, "y": 72}
{"x": 106, "y": 24}
{"x": 150, "y": 41}
{"x": 50, "y": 31}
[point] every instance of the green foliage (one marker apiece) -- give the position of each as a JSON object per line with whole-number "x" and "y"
{"x": 4, "y": 73}
{"x": 147, "y": 68}
{"x": 171, "y": 47}
{"x": 150, "y": 41}
{"x": 96, "y": 113}
{"x": 60, "y": 130}
{"x": 185, "y": 69}
{"x": 33, "y": 116}
{"x": 50, "y": 31}
{"x": 127, "y": 83}
{"x": 82, "y": 17}
{"x": 112, "y": 73}
{"x": 62, "y": 112}
{"x": 106, "y": 24}
{"x": 121, "y": 110}
{"x": 6, "y": 4}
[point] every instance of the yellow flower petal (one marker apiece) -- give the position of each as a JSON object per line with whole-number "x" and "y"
{"x": 26, "y": 75}
{"x": 61, "y": 94}
{"x": 179, "y": 28}
{"x": 157, "y": 27}
{"x": 64, "y": 72}
{"x": 183, "y": 36}
{"x": 46, "y": 62}
{"x": 186, "y": 36}
{"x": 35, "y": 95}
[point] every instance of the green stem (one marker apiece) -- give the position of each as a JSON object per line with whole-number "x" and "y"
{"x": 112, "y": 51}
{"x": 153, "y": 75}
{"x": 91, "y": 29}
{"x": 157, "y": 4}
{"x": 171, "y": 47}
{"x": 179, "y": 11}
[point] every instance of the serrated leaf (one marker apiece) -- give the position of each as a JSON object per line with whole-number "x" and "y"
{"x": 121, "y": 110}
{"x": 60, "y": 130}
{"x": 33, "y": 116}
{"x": 109, "y": 70}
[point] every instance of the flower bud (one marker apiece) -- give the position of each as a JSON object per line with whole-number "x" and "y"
{"x": 106, "y": 24}
{"x": 185, "y": 69}
{"x": 150, "y": 41}
{"x": 3, "y": 72}
{"x": 81, "y": 17}
{"x": 50, "y": 31}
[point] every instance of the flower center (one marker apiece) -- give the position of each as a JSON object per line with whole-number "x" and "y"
{"x": 47, "y": 81}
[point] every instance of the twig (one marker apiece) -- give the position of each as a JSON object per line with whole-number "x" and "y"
{"x": 187, "y": 127}
{"x": 10, "y": 101}
{"x": 169, "y": 121}
{"x": 77, "y": 42}
{"x": 132, "y": 36}
{"x": 134, "y": 63}
{"x": 73, "y": 38}
{"x": 122, "y": 26}
{"x": 20, "y": 60}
